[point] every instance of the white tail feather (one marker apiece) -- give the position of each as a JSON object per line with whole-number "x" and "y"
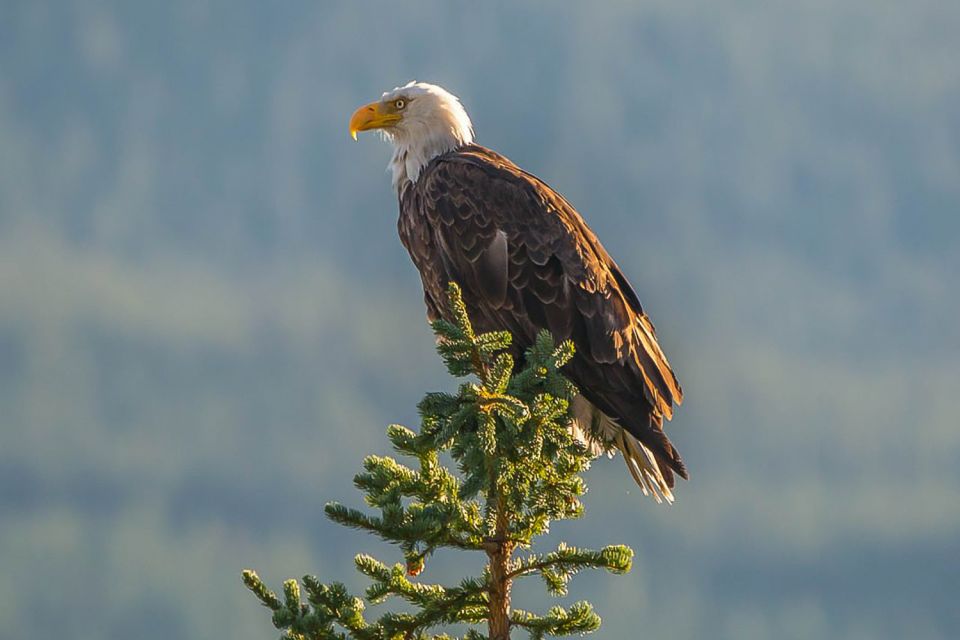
{"x": 601, "y": 433}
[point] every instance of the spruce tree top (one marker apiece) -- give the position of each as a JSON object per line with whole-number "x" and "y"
{"x": 517, "y": 469}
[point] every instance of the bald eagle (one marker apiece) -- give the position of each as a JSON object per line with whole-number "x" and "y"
{"x": 526, "y": 261}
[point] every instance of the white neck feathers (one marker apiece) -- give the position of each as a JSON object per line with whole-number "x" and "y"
{"x": 409, "y": 158}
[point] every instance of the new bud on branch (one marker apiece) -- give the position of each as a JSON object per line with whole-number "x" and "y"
{"x": 517, "y": 468}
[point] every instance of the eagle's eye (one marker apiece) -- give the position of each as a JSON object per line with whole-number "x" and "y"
{"x": 400, "y": 104}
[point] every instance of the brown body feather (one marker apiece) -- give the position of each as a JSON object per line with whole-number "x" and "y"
{"x": 526, "y": 261}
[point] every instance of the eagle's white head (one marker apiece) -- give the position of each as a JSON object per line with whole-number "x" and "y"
{"x": 421, "y": 121}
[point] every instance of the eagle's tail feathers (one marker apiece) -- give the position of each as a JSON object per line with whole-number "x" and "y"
{"x": 644, "y": 468}
{"x": 599, "y": 433}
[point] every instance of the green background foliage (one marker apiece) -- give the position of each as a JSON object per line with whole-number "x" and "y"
{"x": 206, "y": 318}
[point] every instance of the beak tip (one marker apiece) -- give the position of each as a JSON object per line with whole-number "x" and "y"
{"x": 353, "y": 134}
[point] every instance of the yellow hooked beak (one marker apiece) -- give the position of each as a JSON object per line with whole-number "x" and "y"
{"x": 371, "y": 116}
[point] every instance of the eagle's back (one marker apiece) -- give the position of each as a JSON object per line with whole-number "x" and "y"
{"x": 526, "y": 260}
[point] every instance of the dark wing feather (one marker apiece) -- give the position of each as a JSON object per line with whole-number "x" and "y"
{"x": 526, "y": 260}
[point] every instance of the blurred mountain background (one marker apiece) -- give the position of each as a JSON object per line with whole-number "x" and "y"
{"x": 207, "y": 320}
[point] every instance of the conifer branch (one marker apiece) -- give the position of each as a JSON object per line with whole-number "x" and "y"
{"x": 517, "y": 469}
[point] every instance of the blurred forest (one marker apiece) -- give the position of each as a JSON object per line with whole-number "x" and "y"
{"x": 206, "y": 317}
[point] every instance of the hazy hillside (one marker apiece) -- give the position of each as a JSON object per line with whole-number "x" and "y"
{"x": 206, "y": 318}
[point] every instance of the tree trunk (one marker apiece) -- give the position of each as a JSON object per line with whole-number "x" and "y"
{"x": 499, "y": 553}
